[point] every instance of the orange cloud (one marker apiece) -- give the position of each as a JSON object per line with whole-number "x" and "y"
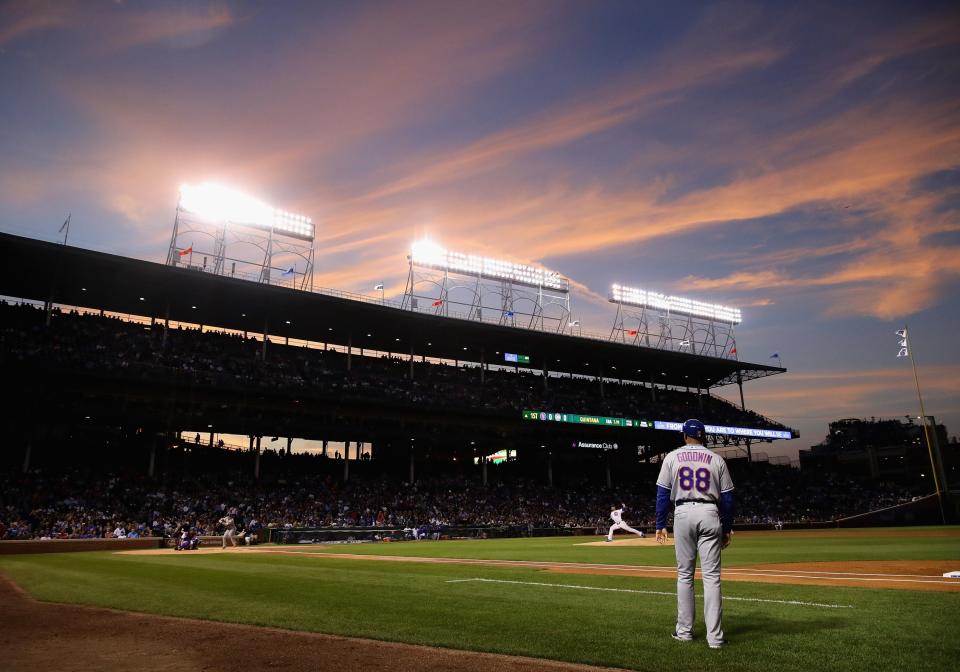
{"x": 831, "y": 395}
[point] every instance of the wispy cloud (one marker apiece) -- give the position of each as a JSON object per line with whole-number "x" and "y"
{"x": 828, "y": 395}
{"x": 114, "y": 27}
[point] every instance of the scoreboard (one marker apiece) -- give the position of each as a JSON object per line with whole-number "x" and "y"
{"x": 578, "y": 419}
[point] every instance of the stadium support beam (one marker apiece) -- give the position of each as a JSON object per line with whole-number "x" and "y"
{"x": 483, "y": 461}
{"x": 263, "y": 351}
{"x": 550, "y": 469}
{"x": 743, "y": 407}
{"x": 153, "y": 457}
{"x": 29, "y": 449}
{"x": 346, "y": 461}
{"x": 256, "y": 460}
{"x": 607, "y": 461}
{"x": 412, "y": 473}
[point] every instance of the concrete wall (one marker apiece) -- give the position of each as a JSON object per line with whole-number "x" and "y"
{"x": 73, "y": 545}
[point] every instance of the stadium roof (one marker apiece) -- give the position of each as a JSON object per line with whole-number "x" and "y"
{"x": 41, "y": 271}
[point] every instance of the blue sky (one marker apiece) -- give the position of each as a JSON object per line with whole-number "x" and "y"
{"x": 801, "y": 160}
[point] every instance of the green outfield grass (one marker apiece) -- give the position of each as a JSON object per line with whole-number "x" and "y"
{"x": 440, "y": 605}
{"x": 746, "y": 549}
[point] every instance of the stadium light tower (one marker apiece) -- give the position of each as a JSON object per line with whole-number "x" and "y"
{"x": 517, "y": 294}
{"x": 656, "y": 320}
{"x": 212, "y": 217}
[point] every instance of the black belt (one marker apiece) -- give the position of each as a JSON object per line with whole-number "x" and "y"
{"x": 681, "y": 502}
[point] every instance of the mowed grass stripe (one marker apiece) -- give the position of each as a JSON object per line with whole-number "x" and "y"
{"x": 750, "y": 549}
{"x": 415, "y": 603}
{"x": 795, "y": 603}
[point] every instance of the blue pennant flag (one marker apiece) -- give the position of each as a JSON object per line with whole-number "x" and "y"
{"x": 288, "y": 273}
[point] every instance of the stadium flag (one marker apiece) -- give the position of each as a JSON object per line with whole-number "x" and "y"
{"x": 188, "y": 250}
{"x": 575, "y": 323}
{"x": 437, "y": 303}
{"x": 775, "y": 355}
{"x": 289, "y": 272}
{"x": 632, "y": 332}
{"x": 684, "y": 343}
{"x": 378, "y": 287}
{"x": 733, "y": 350}
{"x": 904, "y": 352}
{"x": 509, "y": 313}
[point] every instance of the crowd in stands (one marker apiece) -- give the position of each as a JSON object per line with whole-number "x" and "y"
{"x": 106, "y": 345}
{"x": 81, "y": 503}
{"x": 101, "y": 503}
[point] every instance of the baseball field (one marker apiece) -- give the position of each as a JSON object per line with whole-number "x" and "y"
{"x": 795, "y": 600}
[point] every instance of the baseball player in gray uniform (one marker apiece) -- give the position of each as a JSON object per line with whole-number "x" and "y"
{"x": 230, "y": 529}
{"x": 696, "y": 480}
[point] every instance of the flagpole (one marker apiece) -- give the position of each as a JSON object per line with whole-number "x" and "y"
{"x": 66, "y": 227}
{"x": 926, "y": 428}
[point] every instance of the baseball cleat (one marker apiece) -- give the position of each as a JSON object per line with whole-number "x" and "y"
{"x": 681, "y": 639}
{"x": 719, "y": 645}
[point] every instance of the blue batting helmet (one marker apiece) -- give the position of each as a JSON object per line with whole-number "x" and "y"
{"x": 694, "y": 428}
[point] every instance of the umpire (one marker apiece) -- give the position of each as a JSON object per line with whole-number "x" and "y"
{"x": 698, "y": 483}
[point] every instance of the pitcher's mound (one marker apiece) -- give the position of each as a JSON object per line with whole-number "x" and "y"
{"x": 628, "y": 541}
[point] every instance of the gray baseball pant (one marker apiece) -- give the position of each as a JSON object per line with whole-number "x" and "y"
{"x": 696, "y": 528}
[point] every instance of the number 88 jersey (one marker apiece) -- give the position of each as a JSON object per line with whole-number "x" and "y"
{"x": 695, "y": 473}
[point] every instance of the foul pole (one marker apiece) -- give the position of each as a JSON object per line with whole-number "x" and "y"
{"x": 908, "y": 346}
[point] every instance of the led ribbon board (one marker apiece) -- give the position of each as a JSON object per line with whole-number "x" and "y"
{"x": 577, "y": 419}
{"x": 664, "y": 425}
{"x": 217, "y": 203}
{"x": 750, "y": 432}
{"x": 515, "y": 358}
{"x": 676, "y": 305}
{"x": 428, "y": 253}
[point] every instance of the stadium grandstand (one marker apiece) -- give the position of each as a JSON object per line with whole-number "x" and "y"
{"x": 125, "y": 372}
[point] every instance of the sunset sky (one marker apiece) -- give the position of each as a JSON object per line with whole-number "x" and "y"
{"x": 799, "y": 160}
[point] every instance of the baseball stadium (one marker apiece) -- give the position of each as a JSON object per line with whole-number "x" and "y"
{"x": 258, "y": 470}
{"x": 479, "y": 335}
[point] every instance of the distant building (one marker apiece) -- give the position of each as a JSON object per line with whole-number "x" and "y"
{"x": 883, "y": 450}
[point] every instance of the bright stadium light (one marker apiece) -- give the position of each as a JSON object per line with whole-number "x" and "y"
{"x": 217, "y": 203}
{"x": 428, "y": 253}
{"x": 676, "y": 305}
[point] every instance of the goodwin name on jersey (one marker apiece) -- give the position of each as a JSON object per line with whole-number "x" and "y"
{"x": 694, "y": 473}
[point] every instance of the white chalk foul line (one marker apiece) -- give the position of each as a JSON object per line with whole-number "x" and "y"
{"x": 795, "y": 603}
